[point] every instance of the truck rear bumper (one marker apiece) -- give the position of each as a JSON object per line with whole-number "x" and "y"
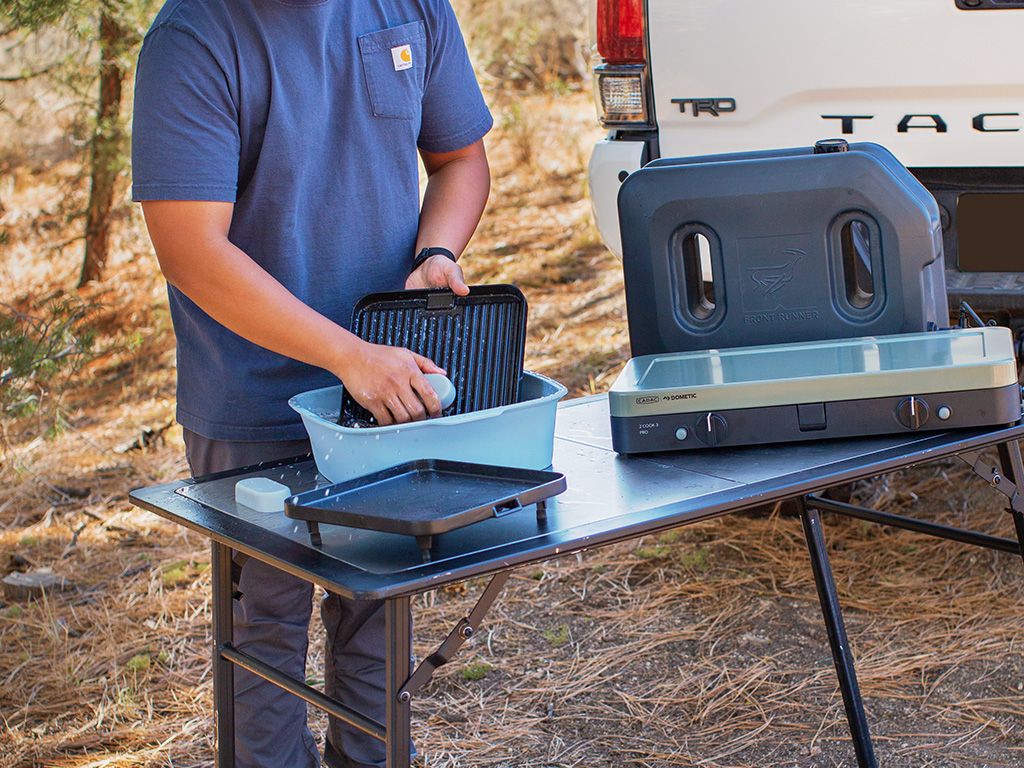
{"x": 987, "y": 292}
{"x": 610, "y": 163}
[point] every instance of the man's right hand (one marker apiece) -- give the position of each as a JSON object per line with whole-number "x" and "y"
{"x": 389, "y": 383}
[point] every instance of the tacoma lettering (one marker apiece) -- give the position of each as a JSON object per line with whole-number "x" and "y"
{"x": 984, "y": 122}
{"x": 980, "y": 124}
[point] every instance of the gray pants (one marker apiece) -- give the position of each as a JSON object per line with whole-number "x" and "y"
{"x": 271, "y": 618}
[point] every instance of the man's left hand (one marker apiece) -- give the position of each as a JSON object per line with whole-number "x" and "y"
{"x": 438, "y": 272}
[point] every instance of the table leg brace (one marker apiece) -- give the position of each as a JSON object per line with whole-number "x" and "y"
{"x": 1013, "y": 468}
{"x": 465, "y": 629}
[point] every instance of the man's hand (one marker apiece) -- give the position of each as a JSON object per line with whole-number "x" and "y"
{"x": 389, "y": 383}
{"x": 439, "y": 272}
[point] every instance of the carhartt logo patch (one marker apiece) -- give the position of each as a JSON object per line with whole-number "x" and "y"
{"x": 401, "y": 55}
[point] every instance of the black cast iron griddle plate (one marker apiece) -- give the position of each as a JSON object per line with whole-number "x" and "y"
{"x": 479, "y": 339}
{"x": 425, "y": 497}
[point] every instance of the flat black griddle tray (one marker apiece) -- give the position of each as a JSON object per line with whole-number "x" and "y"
{"x": 425, "y": 498}
{"x": 479, "y": 339}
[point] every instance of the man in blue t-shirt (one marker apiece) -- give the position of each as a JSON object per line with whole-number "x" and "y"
{"x": 276, "y": 148}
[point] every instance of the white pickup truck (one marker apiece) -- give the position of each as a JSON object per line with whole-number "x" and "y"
{"x": 938, "y": 82}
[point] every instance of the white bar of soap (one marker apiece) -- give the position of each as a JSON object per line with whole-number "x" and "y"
{"x": 443, "y": 387}
{"x": 261, "y": 494}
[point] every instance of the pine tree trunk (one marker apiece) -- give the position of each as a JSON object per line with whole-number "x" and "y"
{"x": 105, "y": 153}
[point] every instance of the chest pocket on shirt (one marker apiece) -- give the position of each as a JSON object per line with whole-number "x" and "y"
{"x": 394, "y": 62}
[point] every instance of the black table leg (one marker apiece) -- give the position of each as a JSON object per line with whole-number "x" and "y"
{"x": 837, "y": 639}
{"x": 223, "y": 670}
{"x": 1018, "y": 523}
{"x": 1013, "y": 467}
{"x": 397, "y": 663}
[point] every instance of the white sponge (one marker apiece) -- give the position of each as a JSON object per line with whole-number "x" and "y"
{"x": 443, "y": 387}
{"x": 261, "y": 494}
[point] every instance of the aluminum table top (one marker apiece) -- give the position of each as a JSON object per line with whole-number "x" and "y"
{"x": 609, "y": 498}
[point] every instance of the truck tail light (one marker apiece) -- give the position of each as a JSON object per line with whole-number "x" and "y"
{"x": 620, "y": 79}
{"x": 621, "y": 97}
{"x": 620, "y": 31}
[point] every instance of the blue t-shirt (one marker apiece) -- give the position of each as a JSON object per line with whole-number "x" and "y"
{"x": 307, "y": 115}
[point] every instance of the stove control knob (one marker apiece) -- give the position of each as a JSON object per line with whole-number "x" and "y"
{"x": 711, "y": 429}
{"x": 912, "y": 413}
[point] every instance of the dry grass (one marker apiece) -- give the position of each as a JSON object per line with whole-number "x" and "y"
{"x": 704, "y": 647}
{"x": 701, "y": 647}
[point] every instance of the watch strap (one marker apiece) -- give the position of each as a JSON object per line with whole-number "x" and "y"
{"x": 427, "y": 253}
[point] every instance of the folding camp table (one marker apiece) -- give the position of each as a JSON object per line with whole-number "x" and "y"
{"x": 610, "y": 498}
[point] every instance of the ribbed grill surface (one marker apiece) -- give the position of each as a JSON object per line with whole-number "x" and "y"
{"x": 478, "y": 339}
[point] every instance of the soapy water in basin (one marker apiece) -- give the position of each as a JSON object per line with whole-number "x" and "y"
{"x": 331, "y": 415}
{"x": 353, "y": 423}
{"x": 327, "y": 414}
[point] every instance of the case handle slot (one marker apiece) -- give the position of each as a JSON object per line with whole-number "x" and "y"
{"x": 858, "y": 269}
{"x": 696, "y": 271}
{"x": 856, "y": 266}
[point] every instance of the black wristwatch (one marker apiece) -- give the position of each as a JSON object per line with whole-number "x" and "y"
{"x": 426, "y": 253}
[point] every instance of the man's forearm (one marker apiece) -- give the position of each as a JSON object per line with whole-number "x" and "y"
{"x": 191, "y": 241}
{"x": 454, "y": 200}
{"x": 240, "y": 295}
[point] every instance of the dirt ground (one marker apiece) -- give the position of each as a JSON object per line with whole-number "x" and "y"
{"x": 702, "y": 647}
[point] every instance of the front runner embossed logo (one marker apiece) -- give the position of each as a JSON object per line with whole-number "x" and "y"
{"x": 773, "y": 278}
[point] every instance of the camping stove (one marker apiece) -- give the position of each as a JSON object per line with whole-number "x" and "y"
{"x": 962, "y": 377}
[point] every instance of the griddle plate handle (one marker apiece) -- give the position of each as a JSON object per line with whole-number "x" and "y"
{"x": 441, "y": 300}
{"x": 507, "y": 507}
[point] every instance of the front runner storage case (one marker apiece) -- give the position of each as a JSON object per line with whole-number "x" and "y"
{"x": 814, "y": 390}
{"x": 789, "y": 245}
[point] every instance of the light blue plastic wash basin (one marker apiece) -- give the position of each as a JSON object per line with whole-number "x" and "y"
{"x": 518, "y": 435}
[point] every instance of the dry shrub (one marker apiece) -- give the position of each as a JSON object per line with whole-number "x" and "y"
{"x": 40, "y": 352}
{"x": 524, "y": 43}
